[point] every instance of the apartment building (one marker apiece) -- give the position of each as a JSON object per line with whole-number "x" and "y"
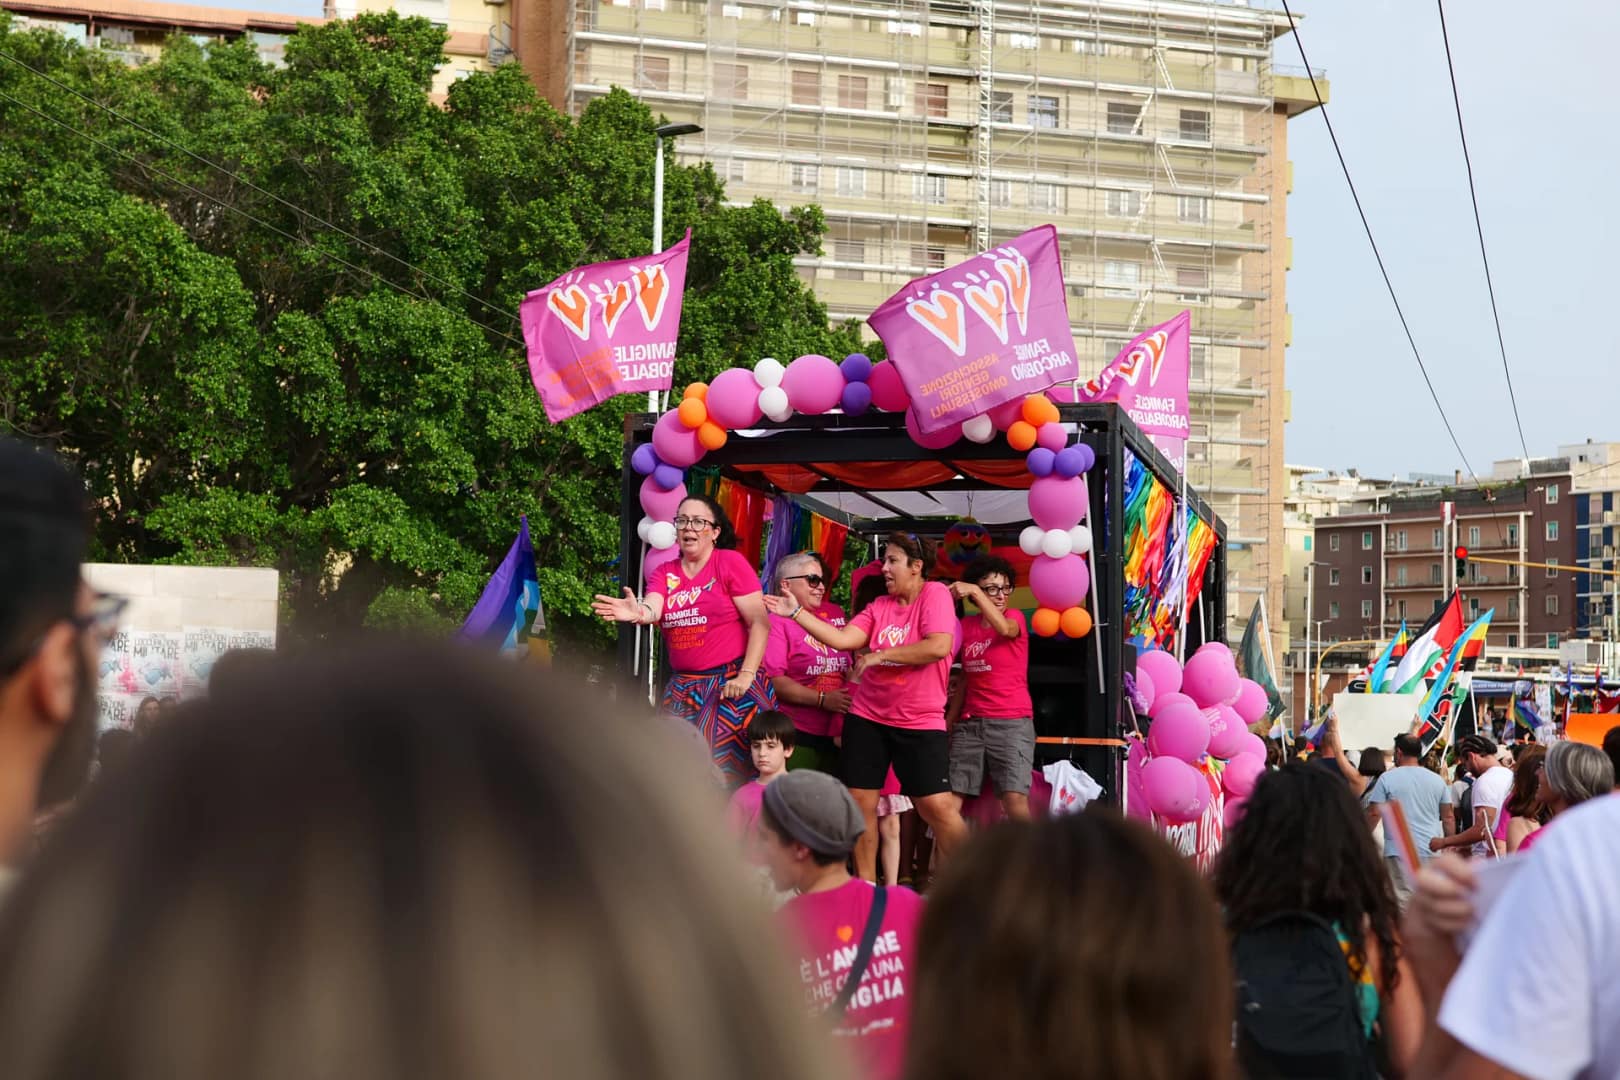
{"x": 1594, "y": 482}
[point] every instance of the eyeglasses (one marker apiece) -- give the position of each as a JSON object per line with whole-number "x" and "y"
{"x": 995, "y": 590}
{"x": 101, "y": 620}
{"x": 693, "y": 523}
{"x": 815, "y": 581}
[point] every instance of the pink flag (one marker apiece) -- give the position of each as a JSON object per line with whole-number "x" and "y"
{"x": 982, "y": 332}
{"x": 605, "y": 329}
{"x": 1149, "y": 379}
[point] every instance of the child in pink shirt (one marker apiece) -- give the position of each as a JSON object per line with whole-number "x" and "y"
{"x": 770, "y": 744}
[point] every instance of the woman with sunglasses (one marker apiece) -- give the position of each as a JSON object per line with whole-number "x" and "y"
{"x": 1568, "y": 774}
{"x": 897, "y": 709}
{"x": 807, "y": 676}
{"x": 992, "y": 727}
{"x": 707, "y": 603}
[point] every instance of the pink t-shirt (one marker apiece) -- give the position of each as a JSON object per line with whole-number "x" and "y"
{"x": 743, "y": 812}
{"x": 701, "y": 623}
{"x": 791, "y": 651}
{"x": 996, "y": 669}
{"x": 905, "y": 695}
{"x": 828, "y": 928}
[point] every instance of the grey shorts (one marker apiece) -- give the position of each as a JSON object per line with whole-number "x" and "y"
{"x": 1005, "y": 747}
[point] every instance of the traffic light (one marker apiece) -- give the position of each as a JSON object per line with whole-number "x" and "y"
{"x": 1462, "y": 562}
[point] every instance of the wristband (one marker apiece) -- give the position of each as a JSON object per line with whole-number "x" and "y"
{"x": 821, "y": 699}
{"x": 796, "y": 611}
{"x": 746, "y": 671}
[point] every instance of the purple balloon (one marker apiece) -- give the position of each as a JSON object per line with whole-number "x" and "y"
{"x": 813, "y": 384}
{"x": 1164, "y": 700}
{"x": 1226, "y": 731}
{"x": 733, "y": 399}
{"x": 1241, "y": 774}
{"x": 1070, "y": 461}
{"x": 1174, "y": 789}
{"x": 1210, "y": 678}
{"x": 1251, "y": 703}
{"x": 676, "y": 443}
{"x": 1146, "y": 692}
{"x": 644, "y": 460}
{"x": 856, "y": 398}
{"x": 1088, "y": 455}
{"x": 658, "y": 504}
{"x": 1040, "y": 461}
{"x": 1059, "y": 583}
{"x": 857, "y": 367}
{"x": 1052, "y": 436}
{"x": 668, "y": 477}
{"x": 1056, "y": 503}
{"x": 1164, "y": 669}
{"x": 1179, "y": 732}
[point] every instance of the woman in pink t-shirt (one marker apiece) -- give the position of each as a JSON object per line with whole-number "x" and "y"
{"x": 897, "y": 710}
{"x": 808, "y": 677}
{"x": 992, "y": 727}
{"x": 708, "y": 604}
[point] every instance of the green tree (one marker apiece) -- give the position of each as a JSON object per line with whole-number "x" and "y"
{"x": 310, "y": 359}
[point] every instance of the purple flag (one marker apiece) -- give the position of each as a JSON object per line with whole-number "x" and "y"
{"x": 1149, "y": 379}
{"x": 509, "y": 612}
{"x": 605, "y": 329}
{"x": 982, "y": 332}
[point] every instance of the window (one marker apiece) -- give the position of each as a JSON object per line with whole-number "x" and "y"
{"x": 1043, "y": 111}
{"x": 851, "y": 182}
{"x": 652, "y": 73}
{"x": 1001, "y": 193}
{"x": 1122, "y": 117}
{"x": 1513, "y": 605}
{"x": 1195, "y": 124}
{"x": 804, "y": 18}
{"x": 929, "y": 189}
{"x": 1552, "y": 530}
{"x": 929, "y": 258}
{"x": 933, "y": 99}
{"x": 1513, "y": 641}
{"x": 1023, "y": 41}
{"x": 1120, "y": 278}
{"x": 894, "y": 92}
{"x": 1333, "y": 575}
{"x": 1192, "y": 277}
{"x": 904, "y": 29}
{"x": 1473, "y": 607}
{"x": 1122, "y": 203}
{"x": 849, "y": 251}
{"x": 1552, "y": 641}
{"x": 1366, "y": 541}
{"x": 852, "y": 91}
{"x": 1333, "y": 542}
{"x": 1366, "y": 575}
{"x": 1437, "y": 539}
{"x": 1333, "y": 609}
{"x": 1001, "y": 106}
{"x": 1198, "y": 373}
{"x": 806, "y": 87}
{"x": 1307, "y": 545}
{"x": 731, "y": 80}
{"x": 1048, "y": 197}
{"x": 1552, "y": 603}
{"x": 1400, "y": 610}
{"x": 1192, "y": 208}
{"x": 1398, "y": 540}
{"x": 804, "y": 179}
{"x": 1552, "y": 494}
{"x": 1473, "y": 535}
{"x": 731, "y": 11}
{"x": 1434, "y": 573}
{"x": 736, "y": 171}
{"x": 1366, "y": 609}
{"x": 1552, "y": 568}
{"x": 1513, "y": 534}
{"x": 1400, "y": 574}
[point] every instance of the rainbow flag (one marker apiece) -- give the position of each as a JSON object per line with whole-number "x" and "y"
{"x": 1437, "y": 689}
{"x": 1392, "y": 653}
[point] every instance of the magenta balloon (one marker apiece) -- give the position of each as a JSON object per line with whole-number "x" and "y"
{"x": 1233, "y": 813}
{"x": 1052, "y": 436}
{"x": 1226, "y": 731}
{"x": 1214, "y": 646}
{"x": 1059, "y": 583}
{"x": 1165, "y": 701}
{"x": 1209, "y": 678}
{"x": 1251, "y": 701}
{"x": 733, "y": 399}
{"x": 1145, "y": 689}
{"x": 1007, "y": 414}
{"x": 888, "y": 392}
{"x": 659, "y": 504}
{"x": 676, "y": 443}
{"x": 1179, "y": 732}
{"x": 813, "y": 384}
{"x": 1163, "y": 667}
{"x": 937, "y": 440}
{"x": 1253, "y": 744}
{"x": 1174, "y": 789}
{"x": 1241, "y": 774}
{"x": 1056, "y": 502}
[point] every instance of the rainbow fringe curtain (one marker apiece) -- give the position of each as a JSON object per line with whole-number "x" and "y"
{"x": 742, "y": 504}
{"x": 793, "y": 528}
{"x": 1156, "y": 551}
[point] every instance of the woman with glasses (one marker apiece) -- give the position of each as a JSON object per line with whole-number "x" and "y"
{"x": 808, "y": 677}
{"x": 707, "y": 602}
{"x": 1571, "y": 773}
{"x": 1524, "y": 812}
{"x": 897, "y": 709}
{"x": 992, "y": 728}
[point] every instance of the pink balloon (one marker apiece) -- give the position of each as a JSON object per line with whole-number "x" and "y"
{"x": 888, "y": 392}
{"x": 733, "y": 399}
{"x": 1253, "y": 744}
{"x": 937, "y": 440}
{"x": 1241, "y": 774}
{"x": 1226, "y": 731}
{"x": 1052, "y": 436}
{"x": 1174, "y": 697}
{"x": 1136, "y": 804}
{"x": 1233, "y": 813}
{"x": 1057, "y": 502}
{"x": 1007, "y": 414}
{"x": 1163, "y": 667}
{"x": 1145, "y": 690}
{"x": 813, "y": 384}
{"x": 1209, "y": 678}
{"x": 676, "y": 443}
{"x": 1059, "y": 583}
{"x": 1179, "y": 732}
{"x": 1251, "y": 703}
{"x": 1214, "y": 646}
{"x": 658, "y": 504}
{"x": 1174, "y": 789}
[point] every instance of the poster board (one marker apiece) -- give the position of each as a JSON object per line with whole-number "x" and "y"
{"x": 1374, "y": 719}
{"x": 1590, "y": 728}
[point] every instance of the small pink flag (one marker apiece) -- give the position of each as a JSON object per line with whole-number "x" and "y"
{"x": 1149, "y": 380}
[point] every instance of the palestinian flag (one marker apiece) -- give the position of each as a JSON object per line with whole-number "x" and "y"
{"x": 1438, "y": 690}
{"x": 1429, "y": 647}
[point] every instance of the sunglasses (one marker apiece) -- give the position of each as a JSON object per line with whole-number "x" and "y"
{"x": 815, "y": 581}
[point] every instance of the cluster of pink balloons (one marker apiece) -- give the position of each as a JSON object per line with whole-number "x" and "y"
{"x": 1202, "y": 709}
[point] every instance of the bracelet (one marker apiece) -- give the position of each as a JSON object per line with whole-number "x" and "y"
{"x": 747, "y": 671}
{"x": 821, "y": 699}
{"x": 650, "y": 618}
{"x": 796, "y": 611}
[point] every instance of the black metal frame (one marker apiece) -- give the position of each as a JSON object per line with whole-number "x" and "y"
{"x": 881, "y": 437}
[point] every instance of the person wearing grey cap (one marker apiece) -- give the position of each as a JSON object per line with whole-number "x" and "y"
{"x": 856, "y": 942}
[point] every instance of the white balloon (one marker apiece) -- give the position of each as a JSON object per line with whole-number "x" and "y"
{"x": 773, "y": 402}
{"x": 979, "y": 430}
{"x": 1055, "y": 544}
{"x": 1079, "y": 540}
{"x": 1029, "y": 541}
{"x": 643, "y": 527}
{"x": 768, "y": 372}
{"x": 661, "y": 535}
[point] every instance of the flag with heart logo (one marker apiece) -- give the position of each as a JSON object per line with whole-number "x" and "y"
{"x": 1149, "y": 380}
{"x": 982, "y": 332}
{"x": 605, "y": 329}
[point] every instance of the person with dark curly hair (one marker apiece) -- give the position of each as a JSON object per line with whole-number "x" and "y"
{"x": 1302, "y": 848}
{"x": 992, "y": 728}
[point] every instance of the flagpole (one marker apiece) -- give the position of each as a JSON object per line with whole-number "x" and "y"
{"x": 1186, "y": 571}
{"x": 1271, "y": 661}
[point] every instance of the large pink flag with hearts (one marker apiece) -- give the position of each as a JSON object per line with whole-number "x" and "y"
{"x": 605, "y": 329}
{"x": 1149, "y": 380}
{"x": 982, "y": 332}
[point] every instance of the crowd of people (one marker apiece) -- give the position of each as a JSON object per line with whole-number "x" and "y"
{"x": 396, "y": 859}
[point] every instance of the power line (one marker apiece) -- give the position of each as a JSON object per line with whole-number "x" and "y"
{"x": 1473, "y": 197}
{"x": 243, "y": 213}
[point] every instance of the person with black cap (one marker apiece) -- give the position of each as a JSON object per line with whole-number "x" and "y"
{"x": 856, "y": 941}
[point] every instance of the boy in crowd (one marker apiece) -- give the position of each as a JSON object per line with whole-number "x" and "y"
{"x": 770, "y": 744}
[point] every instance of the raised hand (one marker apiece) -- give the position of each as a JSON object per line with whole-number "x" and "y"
{"x": 624, "y": 608}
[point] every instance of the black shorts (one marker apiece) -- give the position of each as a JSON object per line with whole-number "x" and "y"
{"x": 921, "y": 759}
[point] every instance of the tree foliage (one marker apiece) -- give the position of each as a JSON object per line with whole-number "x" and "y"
{"x": 309, "y": 358}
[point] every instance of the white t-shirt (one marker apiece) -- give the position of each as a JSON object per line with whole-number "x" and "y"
{"x": 1490, "y": 792}
{"x": 1546, "y": 955}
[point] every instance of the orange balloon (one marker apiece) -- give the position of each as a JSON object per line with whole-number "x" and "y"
{"x": 1038, "y": 410}
{"x": 696, "y": 390}
{"x": 1021, "y": 436}
{"x": 1046, "y": 622}
{"x": 693, "y": 413}
{"x": 1075, "y": 622}
{"x": 711, "y": 435}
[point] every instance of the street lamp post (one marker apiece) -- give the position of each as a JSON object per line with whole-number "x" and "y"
{"x": 667, "y": 131}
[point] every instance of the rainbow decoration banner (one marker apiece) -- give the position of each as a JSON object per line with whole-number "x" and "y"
{"x": 793, "y": 528}
{"x": 1158, "y": 550}
{"x": 744, "y": 505}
